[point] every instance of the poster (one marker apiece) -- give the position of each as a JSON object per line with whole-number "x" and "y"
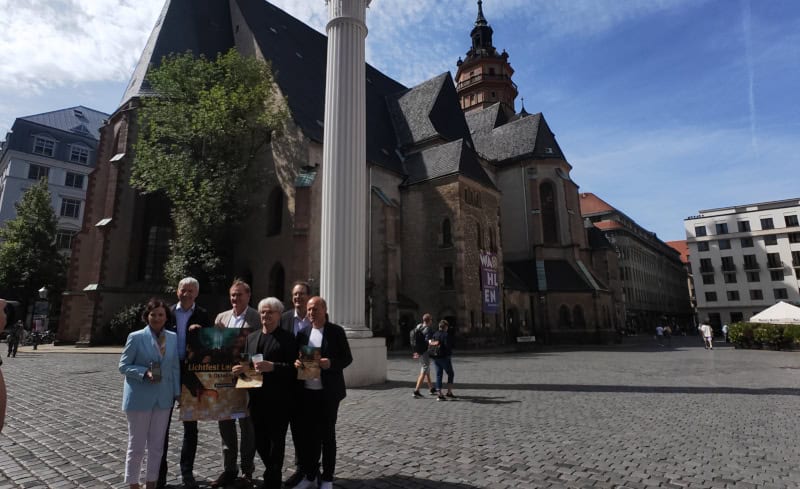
{"x": 208, "y": 387}
{"x": 490, "y": 285}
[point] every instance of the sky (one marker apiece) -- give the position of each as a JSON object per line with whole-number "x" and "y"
{"x": 662, "y": 107}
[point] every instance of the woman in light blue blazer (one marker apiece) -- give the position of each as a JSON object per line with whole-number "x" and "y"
{"x": 151, "y": 368}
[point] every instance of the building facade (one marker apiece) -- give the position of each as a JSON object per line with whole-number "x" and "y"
{"x": 472, "y": 214}
{"x": 744, "y": 259}
{"x": 652, "y": 274}
{"x": 60, "y": 146}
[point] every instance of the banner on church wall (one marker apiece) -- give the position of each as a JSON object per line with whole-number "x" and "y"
{"x": 490, "y": 284}
{"x": 208, "y": 388}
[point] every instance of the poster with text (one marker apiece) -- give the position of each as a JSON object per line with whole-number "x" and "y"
{"x": 208, "y": 388}
{"x": 490, "y": 285}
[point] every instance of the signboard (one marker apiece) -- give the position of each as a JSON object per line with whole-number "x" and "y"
{"x": 208, "y": 388}
{"x": 490, "y": 284}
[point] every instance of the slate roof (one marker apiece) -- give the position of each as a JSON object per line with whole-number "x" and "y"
{"x": 78, "y": 120}
{"x": 445, "y": 159}
{"x": 502, "y": 139}
{"x": 560, "y": 276}
{"x": 200, "y": 26}
{"x": 67, "y": 126}
{"x": 428, "y": 111}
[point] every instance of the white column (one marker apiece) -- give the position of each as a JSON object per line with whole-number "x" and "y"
{"x": 344, "y": 169}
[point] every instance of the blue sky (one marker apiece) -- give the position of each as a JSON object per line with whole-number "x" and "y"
{"x": 663, "y": 107}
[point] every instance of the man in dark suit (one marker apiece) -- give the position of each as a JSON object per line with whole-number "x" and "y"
{"x": 271, "y": 403}
{"x": 293, "y": 321}
{"x": 188, "y": 318}
{"x": 320, "y": 397}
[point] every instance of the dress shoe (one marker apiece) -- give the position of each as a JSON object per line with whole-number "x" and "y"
{"x": 190, "y": 483}
{"x": 224, "y": 479}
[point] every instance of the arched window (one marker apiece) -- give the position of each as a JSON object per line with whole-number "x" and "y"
{"x": 577, "y": 316}
{"x": 492, "y": 242}
{"x": 547, "y": 195}
{"x": 277, "y": 279}
{"x": 447, "y": 233}
{"x": 479, "y": 235}
{"x": 563, "y": 317}
{"x": 275, "y": 212}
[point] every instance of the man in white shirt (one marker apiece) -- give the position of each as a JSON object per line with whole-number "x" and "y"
{"x": 707, "y": 332}
{"x": 241, "y": 315}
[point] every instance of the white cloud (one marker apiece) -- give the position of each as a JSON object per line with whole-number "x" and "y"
{"x": 56, "y": 43}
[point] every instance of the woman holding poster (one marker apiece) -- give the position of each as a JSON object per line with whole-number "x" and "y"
{"x": 151, "y": 368}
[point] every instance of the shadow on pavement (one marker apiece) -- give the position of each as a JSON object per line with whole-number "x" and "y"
{"x": 754, "y": 391}
{"x": 399, "y": 481}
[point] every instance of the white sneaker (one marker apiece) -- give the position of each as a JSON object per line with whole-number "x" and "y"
{"x": 306, "y": 484}
{"x": 326, "y": 485}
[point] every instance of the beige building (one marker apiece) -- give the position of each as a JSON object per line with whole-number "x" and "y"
{"x": 652, "y": 274}
{"x": 744, "y": 258}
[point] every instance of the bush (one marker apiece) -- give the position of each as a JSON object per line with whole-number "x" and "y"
{"x": 791, "y": 333}
{"x": 126, "y": 320}
{"x": 769, "y": 335}
{"x": 741, "y": 334}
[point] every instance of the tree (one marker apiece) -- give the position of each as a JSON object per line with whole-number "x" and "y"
{"x": 198, "y": 141}
{"x": 29, "y": 258}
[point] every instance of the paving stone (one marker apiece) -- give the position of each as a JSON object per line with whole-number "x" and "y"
{"x": 629, "y": 417}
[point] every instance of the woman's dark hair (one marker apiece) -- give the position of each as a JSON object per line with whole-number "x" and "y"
{"x": 155, "y": 303}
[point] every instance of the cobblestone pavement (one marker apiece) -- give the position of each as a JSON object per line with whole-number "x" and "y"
{"x": 636, "y": 416}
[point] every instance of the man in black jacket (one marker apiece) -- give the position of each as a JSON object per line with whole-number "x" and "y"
{"x": 188, "y": 318}
{"x": 295, "y": 320}
{"x": 320, "y": 398}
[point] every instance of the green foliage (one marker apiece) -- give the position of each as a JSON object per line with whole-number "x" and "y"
{"x": 124, "y": 322}
{"x": 29, "y": 258}
{"x": 197, "y": 143}
{"x": 757, "y": 335}
{"x": 791, "y": 333}
{"x": 741, "y": 334}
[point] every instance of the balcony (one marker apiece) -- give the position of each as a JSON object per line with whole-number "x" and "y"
{"x": 707, "y": 269}
{"x": 752, "y": 266}
{"x": 484, "y": 77}
{"x": 728, "y": 267}
{"x": 774, "y": 264}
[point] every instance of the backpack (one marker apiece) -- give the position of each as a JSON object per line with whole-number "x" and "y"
{"x": 418, "y": 341}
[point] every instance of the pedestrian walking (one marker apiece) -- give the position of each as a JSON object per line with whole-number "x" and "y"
{"x": 419, "y": 344}
{"x": 13, "y": 338}
{"x": 707, "y": 333}
{"x": 440, "y": 350}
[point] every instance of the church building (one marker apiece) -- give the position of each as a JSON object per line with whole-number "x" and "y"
{"x": 472, "y": 214}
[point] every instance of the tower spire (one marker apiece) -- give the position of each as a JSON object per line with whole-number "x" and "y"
{"x": 484, "y": 75}
{"x": 481, "y": 20}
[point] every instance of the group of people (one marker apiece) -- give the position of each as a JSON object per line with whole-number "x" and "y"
{"x": 428, "y": 345}
{"x": 152, "y": 362}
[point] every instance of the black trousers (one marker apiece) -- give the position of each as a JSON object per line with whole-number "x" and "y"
{"x": 318, "y": 427}
{"x": 270, "y": 422}
{"x": 188, "y": 451}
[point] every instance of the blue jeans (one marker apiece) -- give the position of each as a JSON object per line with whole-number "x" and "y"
{"x": 443, "y": 365}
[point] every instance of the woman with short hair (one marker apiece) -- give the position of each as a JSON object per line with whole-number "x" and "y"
{"x": 151, "y": 368}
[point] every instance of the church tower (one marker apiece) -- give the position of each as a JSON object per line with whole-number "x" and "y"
{"x": 483, "y": 78}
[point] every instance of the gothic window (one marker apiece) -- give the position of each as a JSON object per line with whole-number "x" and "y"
{"x": 577, "y": 316}
{"x": 275, "y": 212}
{"x": 156, "y": 253}
{"x": 447, "y": 234}
{"x": 479, "y": 235}
{"x": 563, "y": 317}
{"x": 448, "y": 281}
{"x": 547, "y": 195}
{"x": 492, "y": 242}
{"x": 277, "y": 279}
